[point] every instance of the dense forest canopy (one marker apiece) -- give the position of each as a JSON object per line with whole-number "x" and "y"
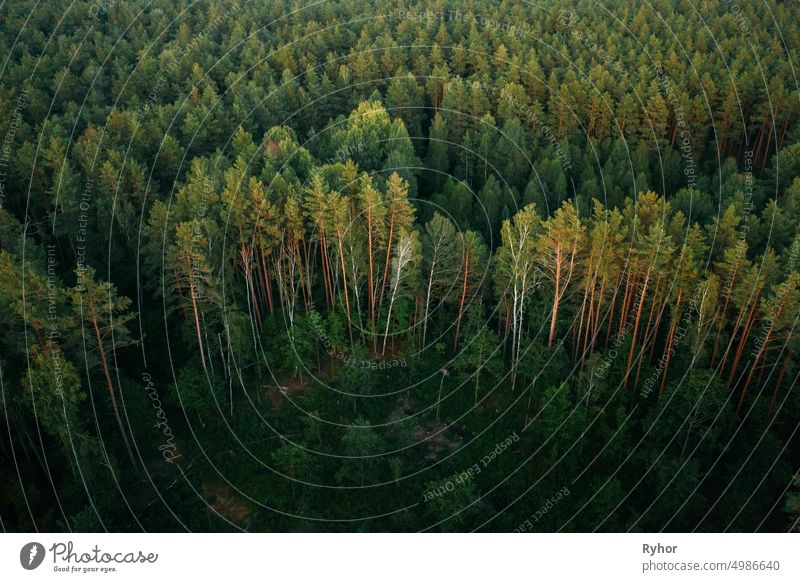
{"x": 367, "y": 265}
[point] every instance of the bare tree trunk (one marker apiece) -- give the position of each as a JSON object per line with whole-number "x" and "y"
{"x": 371, "y": 289}
{"x": 670, "y": 336}
{"x": 636, "y": 326}
{"x": 577, "y": 336}
{"x": 778, "y": 383}
{"x": 556, "y": 297}
{"x": 463, "y": 298}
{"x": 346, "y": 294}
{"x": 388, "y": 254}
{"x": 111, "y": 392}
{"x": 193, "y": 295}
{"x": 742, "y": 340}
{"x": 427, "y": 305}
{"x": 722, "y": 320}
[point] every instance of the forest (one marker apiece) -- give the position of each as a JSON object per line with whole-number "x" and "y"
{"x": 370, "y": 266}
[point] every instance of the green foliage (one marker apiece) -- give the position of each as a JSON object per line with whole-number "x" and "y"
{"x": 370, "y": 249}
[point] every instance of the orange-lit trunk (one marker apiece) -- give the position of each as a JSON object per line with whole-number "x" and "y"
{"x": 596, "y": 318}
{"x": 344, "y": 281}
{"x": 733, "y": 337}
{"x": 371, "y": 286}
{"x": 613, "y": 306}
{"x": 722, "y": 321}
{"x": 265, "y": 276}
{"x": 388, "y": 254}
{"x": 760, "y": 353}
{"x": 778, "y": 383}
{"x": 636, "y": 327}
{"x": 193, "y": 295}
{"x": 646, "y": 336}
{"x": 752, "y": 369}
{"x": 111, "y": 390}
{"x": 630, "y": 283}
{"x": 751, "y": 316}
{"x": 327, "y": 273}
{"x": 577, "y": 337}
{"x": 670, "y": 336}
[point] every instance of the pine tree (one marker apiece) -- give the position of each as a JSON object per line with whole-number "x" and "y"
{"x": 187, "y": 264}
{"x": 373, "y": 212}
{"x": 471, "y": 276}
{"x": 439, "y": 247}
{"x": 406, "y": 257}
{"x": 436, "y": 159}
{"x": 516, "y": 273}
{"x": 557, "y": 255}
{"x": 105, "y": 314}
{"x": 401, "y": 218}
